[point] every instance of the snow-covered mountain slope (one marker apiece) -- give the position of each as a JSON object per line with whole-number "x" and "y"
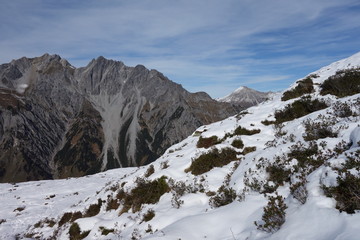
{"x": 291, "y": 177}
{"x": 245, "y": 97}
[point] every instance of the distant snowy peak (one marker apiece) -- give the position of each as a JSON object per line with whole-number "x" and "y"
{"x": 245, "y": 97}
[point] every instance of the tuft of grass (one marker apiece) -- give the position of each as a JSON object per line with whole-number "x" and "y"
{"x": 305, "y": 86}
{"x": 105, "y": 231}
{"x": 165, "y": 164}
{"x": 19, "y": 209}
{"x": 150, "y": 214}
{"x": 214, "y": 158}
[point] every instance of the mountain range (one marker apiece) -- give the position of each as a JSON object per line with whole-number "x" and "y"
{"x": 288, "y": 168}
{"x": 58, "y": 121}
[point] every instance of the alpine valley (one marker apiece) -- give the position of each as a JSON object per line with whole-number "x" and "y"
{"x": 288, "y": 168}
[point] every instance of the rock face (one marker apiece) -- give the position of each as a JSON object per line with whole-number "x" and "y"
{"x": 245, "y": 97}
{"x": 57, "y": 121}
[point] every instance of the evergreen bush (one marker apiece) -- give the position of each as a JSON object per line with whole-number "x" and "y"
{"x": 224, "y": 196}
{"x": 343, "y": 83}
{"x": 305, "y": 86}
{"x": 299, "y": 109}
{"x": 207, "y": 142}
{"x": 274, "y": 215}
{"x": 214, "y": 158}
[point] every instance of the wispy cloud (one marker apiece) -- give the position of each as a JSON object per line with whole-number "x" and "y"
{"x": 205, "y": 43}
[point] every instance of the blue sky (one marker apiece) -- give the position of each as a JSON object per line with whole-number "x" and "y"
{"x": 205, "y": 45}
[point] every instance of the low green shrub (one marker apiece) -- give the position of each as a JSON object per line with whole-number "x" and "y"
{"x": 164, "y": 164}
{"x": 278, "y": 174}
{"x": 304, "y": 155}
{"x": 274, "y": 215}
{"x": 76, "y": 215}
{"x": 279, "y": 130}
{"x": 318, "y": 130}
{"x": 352, "y": 161}
{"x": 243, "y": 131}
{"x": 150, "y": 214}
{"x": 105, "y": 231}
{"x": 346, "y": 193}
{"x": 93, "y": 209}
{"x": 214, "y": 158}
{"x": 145, "y": 192}
{"x": 342, "y": 110}
{"x": 237, "y": 143}
{"x": 267, "y": 188}
{"x": 299, "y": 109}
{"x": 112, "y": 204}
{"x": 248, "y": 150}
{"x": 66, "y": 217}
{"x": 75, "y": 232}
{"x": 267, "y": 122}
{"x": 305, "y": 86}
{"x": 149, "y": 171}
{"x": 41, "y": 223}
{"x": 224, "y": 196}
{"x": 299, "y": 192}
{"x": 343, "y": 83}
{"x": 19, "y": 209}
{"x": 341, "y": 147}
{"x": 207, "y": 142}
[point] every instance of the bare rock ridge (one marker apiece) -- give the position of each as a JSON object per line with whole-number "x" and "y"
{"x": 59, "y": 121}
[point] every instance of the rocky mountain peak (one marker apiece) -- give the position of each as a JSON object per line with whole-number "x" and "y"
{"x": 245, "y": 97}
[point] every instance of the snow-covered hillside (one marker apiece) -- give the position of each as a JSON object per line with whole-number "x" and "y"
{"x": 283, "y": 177}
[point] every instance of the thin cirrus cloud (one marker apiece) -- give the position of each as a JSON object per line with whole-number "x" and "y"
{"x": 208, "y": 45}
